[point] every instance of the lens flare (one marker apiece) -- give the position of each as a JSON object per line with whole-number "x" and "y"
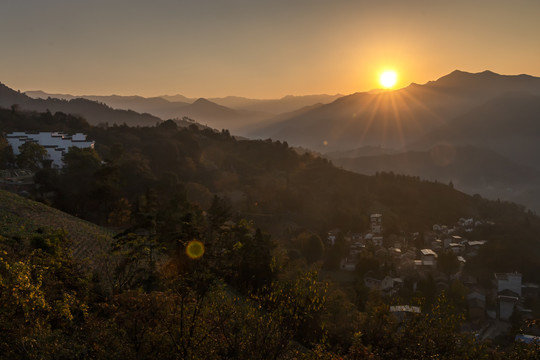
{"x": 195, "y": 249}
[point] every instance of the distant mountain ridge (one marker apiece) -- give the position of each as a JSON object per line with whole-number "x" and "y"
{"x": 232, "y": 112}
{"x": 285, "y": 104}
{"x": 397, "y": 118}
{"x": 95, "y": 113}
{"x": 507, "y": 124}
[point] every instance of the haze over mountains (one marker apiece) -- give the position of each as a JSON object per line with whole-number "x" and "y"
{"x": 233, "y": 113}
{"x": 488, "y": 123}
{"x": 94, "y": 112}
{"x": 395, "y": 118}
{"x": 486, "y": 140}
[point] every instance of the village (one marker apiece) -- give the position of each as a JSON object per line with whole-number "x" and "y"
{"x": 491, "y": 309}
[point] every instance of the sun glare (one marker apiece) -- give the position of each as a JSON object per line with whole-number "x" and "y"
{"x": 388, "y": 79}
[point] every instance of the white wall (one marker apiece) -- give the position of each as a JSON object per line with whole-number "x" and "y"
{"x": 57, "y": 144}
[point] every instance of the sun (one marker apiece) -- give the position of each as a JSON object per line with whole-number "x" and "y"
{"x": 388, "y": 79}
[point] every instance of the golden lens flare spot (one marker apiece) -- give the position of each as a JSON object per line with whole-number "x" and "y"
{"x": 195, "y": 249}
{"x": 388, "y": 79}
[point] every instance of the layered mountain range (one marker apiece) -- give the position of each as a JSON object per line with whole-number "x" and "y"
{"x": 237, "y": 114}
{"x": 479, "y": 130}
{"x": 400, "y": 118}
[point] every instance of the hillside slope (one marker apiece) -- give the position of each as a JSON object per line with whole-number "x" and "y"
{"x": 470, "y": 169}
{"x": 507, "y": 124}
{"x": 395, "y": 118}
{"x": 19, "y": 216}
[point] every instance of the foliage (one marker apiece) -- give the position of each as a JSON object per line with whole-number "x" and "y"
{"x": 31, "y": 156}
{"x": 431, "y": 334}
{"x": 241, "y": 297}
{"x": 311, "y": 246}
{"x": 448, "y": 263}
{"x": 7, "y": 159}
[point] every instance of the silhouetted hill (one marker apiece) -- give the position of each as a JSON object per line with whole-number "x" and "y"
{"x": 486, "y": 83}
{"x": 470, "y": 169}
{"x": 363, "y": 151}
{"x": 38, "y": 94}
{"x": 94, "y": 112}
{"x": 352, "y": 121}
{"x": 260, "y": 126}
{"x": 157, "y": 106}
{"x": 286, "y": 104}
{"x": 508, "y": 125}
{"x": 395, "y": 118}
{"x": 221, "y": 117}
{"x": 202, "y": 111}
{"x": 178, "y": 98}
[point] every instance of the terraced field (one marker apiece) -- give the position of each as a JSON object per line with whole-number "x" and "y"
{"x": 21, "y": 217}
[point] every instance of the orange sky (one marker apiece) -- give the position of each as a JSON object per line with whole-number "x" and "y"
{"x": 258, "y": 48}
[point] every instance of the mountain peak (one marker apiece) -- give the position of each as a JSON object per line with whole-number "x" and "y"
{"x": 201, "y": 101}
{"x": 486, "y": 81}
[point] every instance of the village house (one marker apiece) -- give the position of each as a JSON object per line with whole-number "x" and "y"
{"x": 508, "y": 281}
{"x": 508, "y": 293}
{"x": 332, "y": 236}
{"x": 404, "y": 311}
{"x": 428, "y": 257}
{"x": 474, "y": 246}
{"x": 378, "y": 281}
{"x": 507, "y": 301}
{"x": 376, "y": 223}
{"x": 457, "y": 248}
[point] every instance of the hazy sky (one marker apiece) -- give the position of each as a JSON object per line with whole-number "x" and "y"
{"x": 258, "y": 48}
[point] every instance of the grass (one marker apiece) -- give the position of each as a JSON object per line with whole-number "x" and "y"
{"x": 22, "y": 217}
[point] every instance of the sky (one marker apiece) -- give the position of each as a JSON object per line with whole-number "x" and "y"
{"x": 258, "y": 48}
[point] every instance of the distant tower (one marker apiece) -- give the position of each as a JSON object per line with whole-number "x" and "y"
{"x": 376, "y": 223}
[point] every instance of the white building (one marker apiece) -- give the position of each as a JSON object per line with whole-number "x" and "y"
{"x": 376, "y": 223}
{"x": 507, "y": 300}
{"x": 378, "y": 281}
{"x": 508, "y": 281}
{"x": 429, "y": 257}
{"x": 56, "y": 143}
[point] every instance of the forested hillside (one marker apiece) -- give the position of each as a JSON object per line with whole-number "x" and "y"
{"x": 219, "y": 252}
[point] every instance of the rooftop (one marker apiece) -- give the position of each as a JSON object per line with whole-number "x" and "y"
{"x": 505, "y": 276}
{"x": 405, "y": 308}
{"x": 427, "y": 252}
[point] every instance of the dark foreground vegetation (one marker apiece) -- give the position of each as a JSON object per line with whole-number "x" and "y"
{"x": 217, "y": 253}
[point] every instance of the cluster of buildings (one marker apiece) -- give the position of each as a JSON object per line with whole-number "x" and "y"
{"x": 55, "y": 143}
{"x": 400, "y": 260}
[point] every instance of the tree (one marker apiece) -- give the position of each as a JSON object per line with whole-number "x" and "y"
{"x": 432, "y": 334}
{"x": 337, "y": 252}
{"x": 448, "y": 263}
{"x": 80, "y": 162}
{"x": 7, "y": 159}
{"x": 43, "y": 297}
{"x": 133, "y": 261}
{"x": 311, "y": 246}
{"x": 31, "y": 156}
{"x": 78, "y": 179}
